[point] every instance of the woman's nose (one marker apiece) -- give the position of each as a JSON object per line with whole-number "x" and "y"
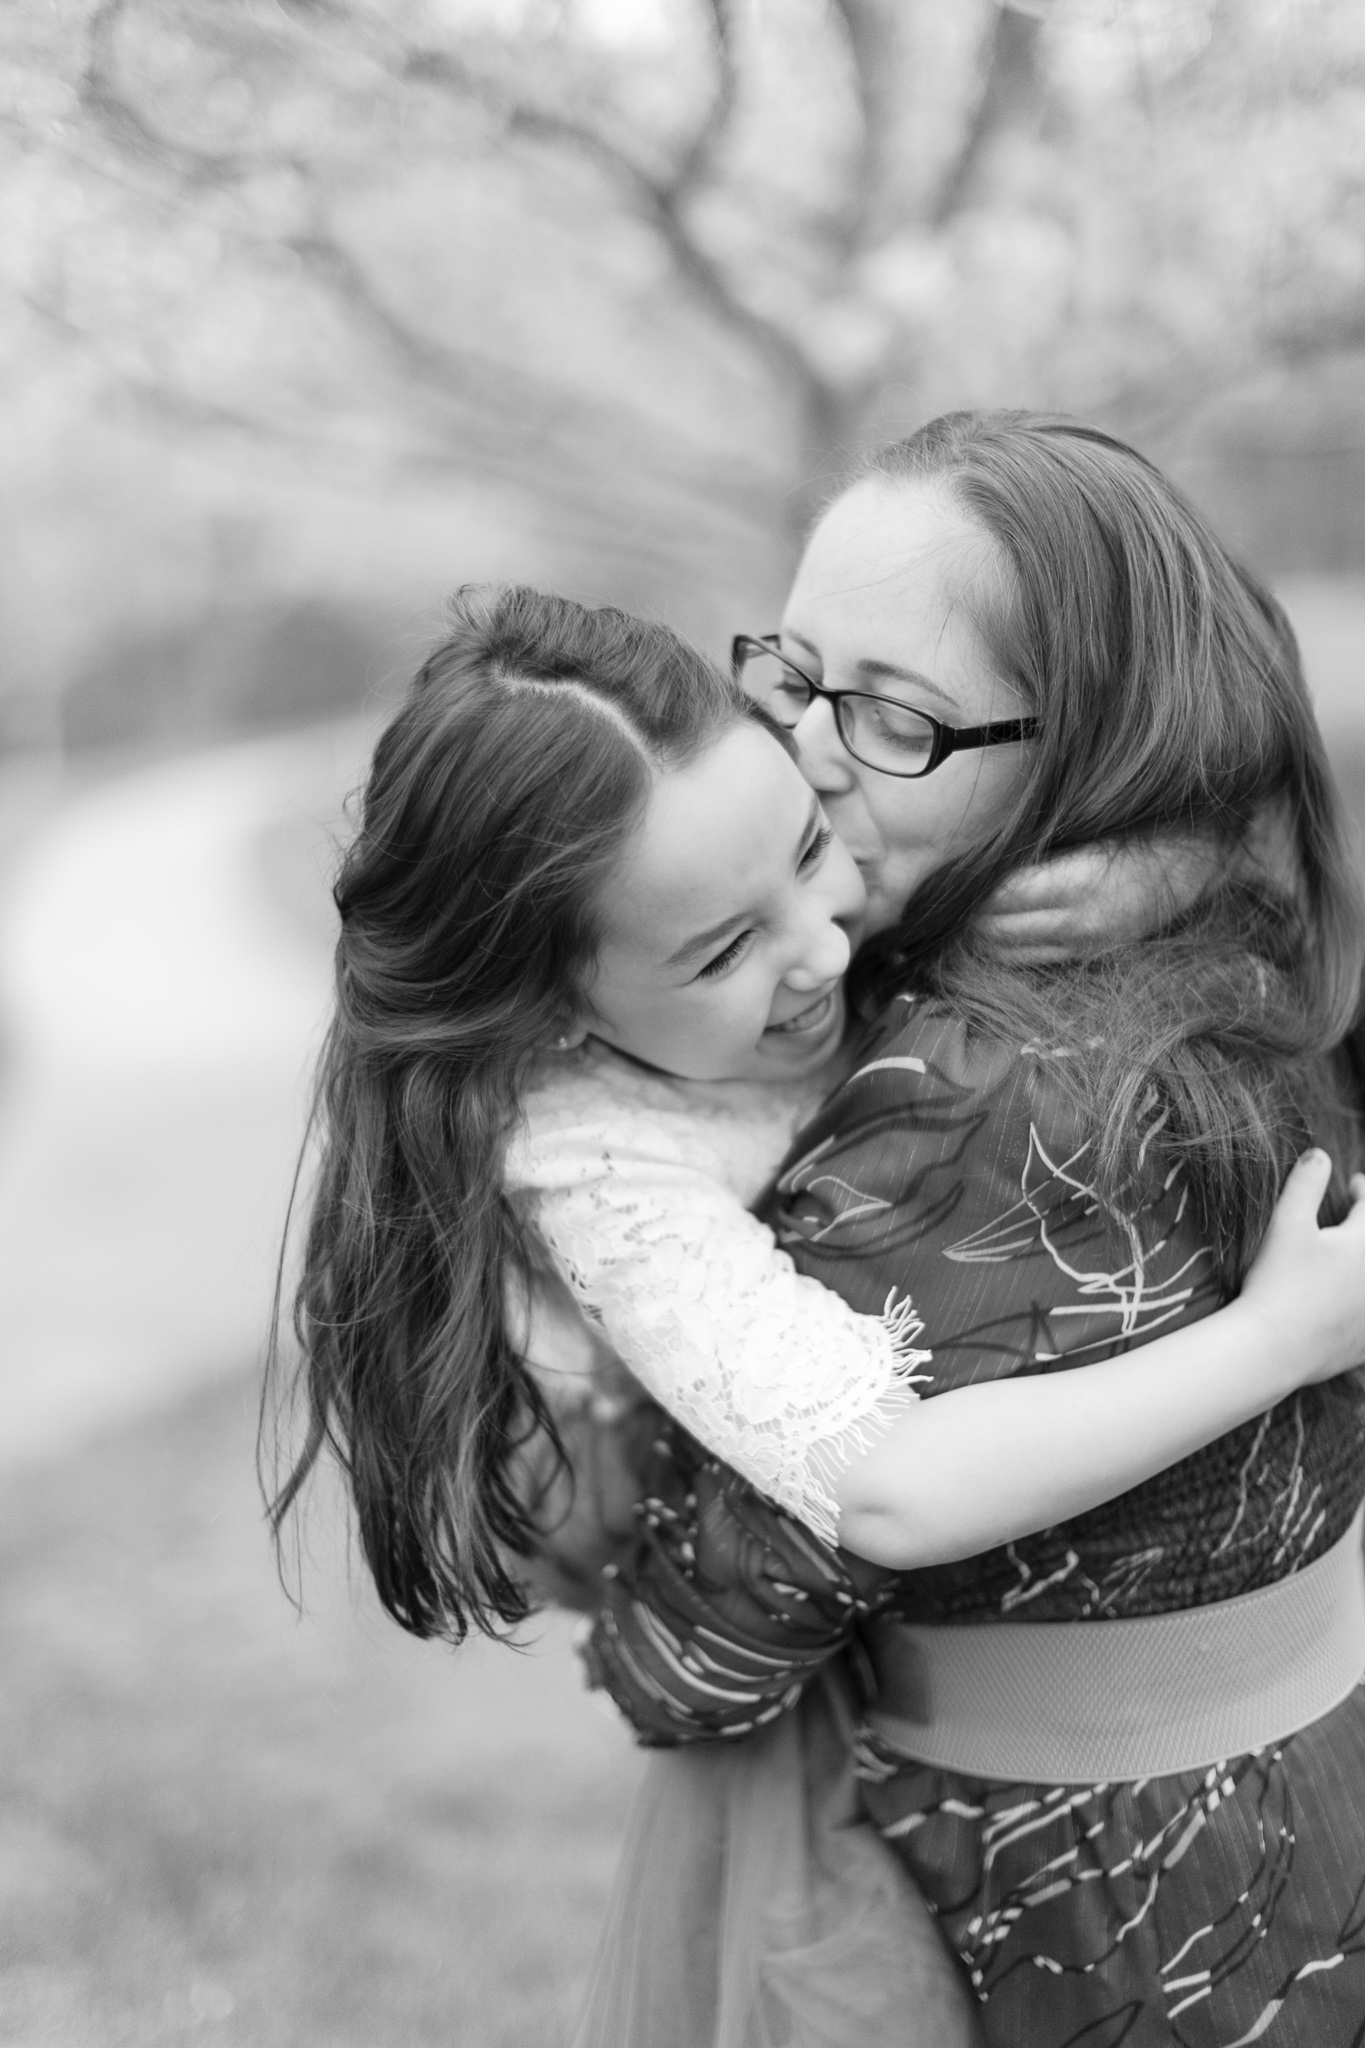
{"x": 824, "y": 957}
{"x": 823, "y": 758}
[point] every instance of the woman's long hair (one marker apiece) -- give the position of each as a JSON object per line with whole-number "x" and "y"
{"x": 1170, "y": 694}
{"x": 497, "y": 805}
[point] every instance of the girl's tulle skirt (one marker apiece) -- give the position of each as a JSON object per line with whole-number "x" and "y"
{"x": 753, "y": 1907}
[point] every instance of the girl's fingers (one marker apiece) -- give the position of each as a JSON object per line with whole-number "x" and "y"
{"x": 1030, "y": 891}
{"x": 1352, "y": 1225}
{"x": 1301, "y": 1196}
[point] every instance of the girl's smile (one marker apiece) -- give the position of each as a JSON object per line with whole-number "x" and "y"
{"x": 814, "y": 1018}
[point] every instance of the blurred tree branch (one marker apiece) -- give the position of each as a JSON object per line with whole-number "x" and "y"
{"x": 475, "y": 380}
{"x": 128, "y": 128}
{"x": 658, "y": 198}
{"x": 1010, "y": 97}
{"x": 887, "y": 205}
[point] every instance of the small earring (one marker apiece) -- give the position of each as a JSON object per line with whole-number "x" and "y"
{"x": 562, "y": 1042}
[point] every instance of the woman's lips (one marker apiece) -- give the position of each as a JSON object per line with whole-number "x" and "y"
{"x": 813, "y": 1018}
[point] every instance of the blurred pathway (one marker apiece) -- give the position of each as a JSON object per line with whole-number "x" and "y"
{"x": 163, "y": 977}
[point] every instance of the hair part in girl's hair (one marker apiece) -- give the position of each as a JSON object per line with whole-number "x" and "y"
{"x": 499, "y": 800}
{"x": 1170, "y": 696}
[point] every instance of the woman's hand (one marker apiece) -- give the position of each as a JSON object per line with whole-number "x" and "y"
{"x": 1308, "y": 1284}
{"x": 1099, "y": 895}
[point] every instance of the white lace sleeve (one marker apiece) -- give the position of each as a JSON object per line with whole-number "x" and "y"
{"x": 768, "y": 1369}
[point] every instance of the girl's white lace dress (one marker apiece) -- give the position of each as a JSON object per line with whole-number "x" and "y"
{"x": 639, "y": 1185}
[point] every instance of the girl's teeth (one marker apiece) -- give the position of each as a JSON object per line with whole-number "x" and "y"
{"x": 805, "y": 1019}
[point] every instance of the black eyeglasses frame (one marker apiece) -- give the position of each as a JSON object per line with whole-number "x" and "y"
{"x": 947, "y": 739}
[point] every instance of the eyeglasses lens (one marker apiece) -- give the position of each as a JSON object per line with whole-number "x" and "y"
{"x": 886, "y": 735}
{"x": 778, "y": 688}
{"x": 878, "y": 731}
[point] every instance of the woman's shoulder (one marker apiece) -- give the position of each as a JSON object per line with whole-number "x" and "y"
{"x": 962, "y": 1167}
{"x": 932, "y": 1093}
{"x": 916, "y": 1034}
{"x": 933, "y": 1050}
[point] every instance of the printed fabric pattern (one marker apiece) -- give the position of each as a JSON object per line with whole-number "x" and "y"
{"x": 1211, "y": 1909}
{"x": 639, "y": 1185}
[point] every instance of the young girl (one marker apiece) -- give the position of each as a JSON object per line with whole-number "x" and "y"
{"x": 589, "y": 983}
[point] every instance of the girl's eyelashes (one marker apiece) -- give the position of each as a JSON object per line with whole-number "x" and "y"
{"x": 818, "y": 848}
{"x": 811, "y": 858}
{"x": 725, "y": 959}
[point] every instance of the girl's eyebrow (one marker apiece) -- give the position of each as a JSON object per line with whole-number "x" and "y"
{"x": 701, "y": 941}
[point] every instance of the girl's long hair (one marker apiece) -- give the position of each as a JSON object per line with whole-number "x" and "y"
{"x": 1171, "y": 697}
{"x": 498, "y": 802}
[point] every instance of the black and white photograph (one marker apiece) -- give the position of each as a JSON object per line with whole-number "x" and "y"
{"x": 682, "y": 1024}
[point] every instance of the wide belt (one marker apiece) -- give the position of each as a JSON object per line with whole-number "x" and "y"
{"x": 1089, "y": 1702}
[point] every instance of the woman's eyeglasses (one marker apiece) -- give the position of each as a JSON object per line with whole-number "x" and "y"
{"x": 881, "y": 732}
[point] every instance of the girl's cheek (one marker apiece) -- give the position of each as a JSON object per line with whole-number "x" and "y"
{"x": 728, "y": 1016}
{"x": 716, "y": 1020}
{"x": 760, "y": 1010}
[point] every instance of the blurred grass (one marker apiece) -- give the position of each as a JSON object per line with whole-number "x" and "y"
{"x": 220, "y": 1825}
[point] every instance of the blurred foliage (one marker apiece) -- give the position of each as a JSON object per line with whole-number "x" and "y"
{"x": 661, "y": 266}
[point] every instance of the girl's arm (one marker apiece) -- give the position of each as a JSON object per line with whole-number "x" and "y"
{"x": 727, "y": 1607}
{"x": 1114, "y": 889}
{"x": 986, "y": 1463}
{"x": 1088, "y": 899}
{"x": 814, "y": 1403}
{"x": 963, "y": 1161}
{"x": 773, "y": 1373}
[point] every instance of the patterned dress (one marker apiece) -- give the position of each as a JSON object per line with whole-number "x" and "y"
{"x": 1214, "y": 1908}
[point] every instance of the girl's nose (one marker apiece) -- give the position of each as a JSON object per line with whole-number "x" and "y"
{"x": 824, "y": 958}
{"x": 824, "y": 759}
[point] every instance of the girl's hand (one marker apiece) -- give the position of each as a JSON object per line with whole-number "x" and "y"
{"x": 1308, "y": 1284}
{"x": 1112, "y": 891}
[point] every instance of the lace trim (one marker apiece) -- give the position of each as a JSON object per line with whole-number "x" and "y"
{"x": 639, "y": 1187}
{"x": 767, "y": 1369}
{"x": 832, "y": 1456}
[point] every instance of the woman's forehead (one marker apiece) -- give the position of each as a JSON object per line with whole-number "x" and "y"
{"x": 885, "y": 534}
{"x": 894, "y": 573}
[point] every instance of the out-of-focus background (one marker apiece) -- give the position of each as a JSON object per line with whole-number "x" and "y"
{"x": 309, "y": 311}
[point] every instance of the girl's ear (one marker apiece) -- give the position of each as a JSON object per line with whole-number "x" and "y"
{"x": 572, "y": 1035}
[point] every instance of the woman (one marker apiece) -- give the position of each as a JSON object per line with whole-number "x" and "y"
{"x": 589, "y": 985}
{"x": 1069, "y": 1158}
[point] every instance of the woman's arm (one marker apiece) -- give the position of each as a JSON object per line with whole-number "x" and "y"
{"x": 991, "y": 1462}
